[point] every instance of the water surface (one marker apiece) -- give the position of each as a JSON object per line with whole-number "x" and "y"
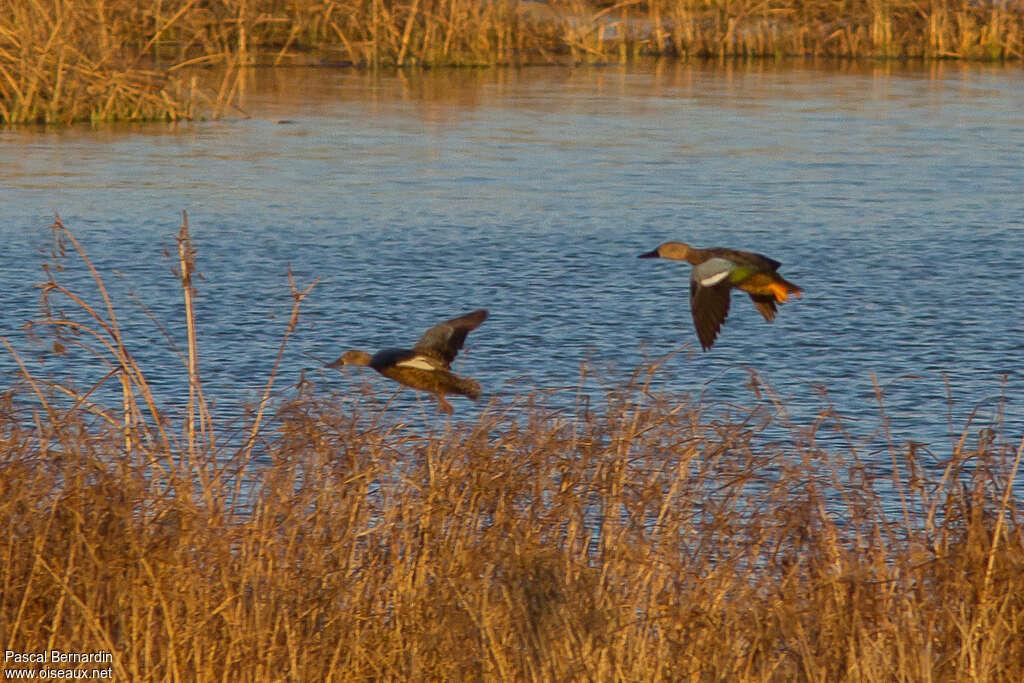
{"x": 892, "y": 194}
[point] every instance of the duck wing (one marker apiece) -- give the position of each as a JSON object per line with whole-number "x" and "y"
{"x": 444, "y": 341}
{"x": 766, "y": 305}
{"x": 710, "y": 294}
{"x": 746, "y": 258}
{"x": 387, "y": 359}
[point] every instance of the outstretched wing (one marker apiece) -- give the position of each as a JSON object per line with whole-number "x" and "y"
{"x": 444, "y": 341}
{"x": 710, "y": 291}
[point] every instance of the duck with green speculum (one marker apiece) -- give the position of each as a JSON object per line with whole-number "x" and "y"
{"x": 716, "y": 272}
{"x": 427, "y": 365}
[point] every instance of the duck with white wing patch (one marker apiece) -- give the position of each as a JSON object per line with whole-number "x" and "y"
{"x": 427, "y": 365}
{"x": 716, "y": 272}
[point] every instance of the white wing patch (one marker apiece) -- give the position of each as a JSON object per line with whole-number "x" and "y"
{"x": 418, "y": 362}
{"x": 713, "y": 280}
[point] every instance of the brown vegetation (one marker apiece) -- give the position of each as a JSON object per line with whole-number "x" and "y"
{"x": 103, "y": 60}
{"x": 647, "y": 538}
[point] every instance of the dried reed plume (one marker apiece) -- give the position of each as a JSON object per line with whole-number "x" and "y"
{"x": 649, "y": 537}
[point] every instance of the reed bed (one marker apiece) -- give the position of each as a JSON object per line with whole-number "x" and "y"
{"x": 644, "y": 536}
{"x": 104, "y": 60}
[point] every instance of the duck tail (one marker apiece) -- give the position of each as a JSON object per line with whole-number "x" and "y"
{"x": 469, "y": 388}
{"x": 783, "y": 288}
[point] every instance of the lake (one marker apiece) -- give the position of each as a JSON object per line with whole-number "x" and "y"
{"x": 892, "y": 194}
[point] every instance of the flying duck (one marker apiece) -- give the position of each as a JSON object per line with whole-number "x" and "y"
{"x": 716, "y": 272}
{"x": 427, "y": 365}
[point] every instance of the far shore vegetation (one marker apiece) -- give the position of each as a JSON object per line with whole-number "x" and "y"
{"x": 63, "y": 61}
{"x": 638, "y": 536}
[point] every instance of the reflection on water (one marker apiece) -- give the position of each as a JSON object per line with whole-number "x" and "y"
{"x": 891, "y": 194}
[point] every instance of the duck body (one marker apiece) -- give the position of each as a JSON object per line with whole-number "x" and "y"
{"x": 716, "y": 272}
{"x": 427, "y": 365}
{"x": 420, "y": 371}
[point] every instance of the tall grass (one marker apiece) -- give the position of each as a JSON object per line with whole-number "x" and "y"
{"x": 70, "y": 60}
{"x": 102, "y": 60}
{"x": 648, "y": 537}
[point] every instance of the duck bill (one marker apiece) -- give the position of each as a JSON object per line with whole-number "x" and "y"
{"x": 650, "y": 254}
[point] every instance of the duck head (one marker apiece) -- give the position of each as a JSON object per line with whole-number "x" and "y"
{"x": 677, "y": 251}
{"x": 353, "y": 357}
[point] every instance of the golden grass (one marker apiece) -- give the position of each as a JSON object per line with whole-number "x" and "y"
{"x": 105, "y": 60}
{"x": 645, "y": 538}
{"x": 65, "y": 61}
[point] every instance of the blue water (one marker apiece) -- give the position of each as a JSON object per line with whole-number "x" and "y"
{"x": 893, "y": 196}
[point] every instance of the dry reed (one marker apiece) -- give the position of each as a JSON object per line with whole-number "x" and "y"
{"x": 104, "y": 60}
{"x": 645, "y": 538}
